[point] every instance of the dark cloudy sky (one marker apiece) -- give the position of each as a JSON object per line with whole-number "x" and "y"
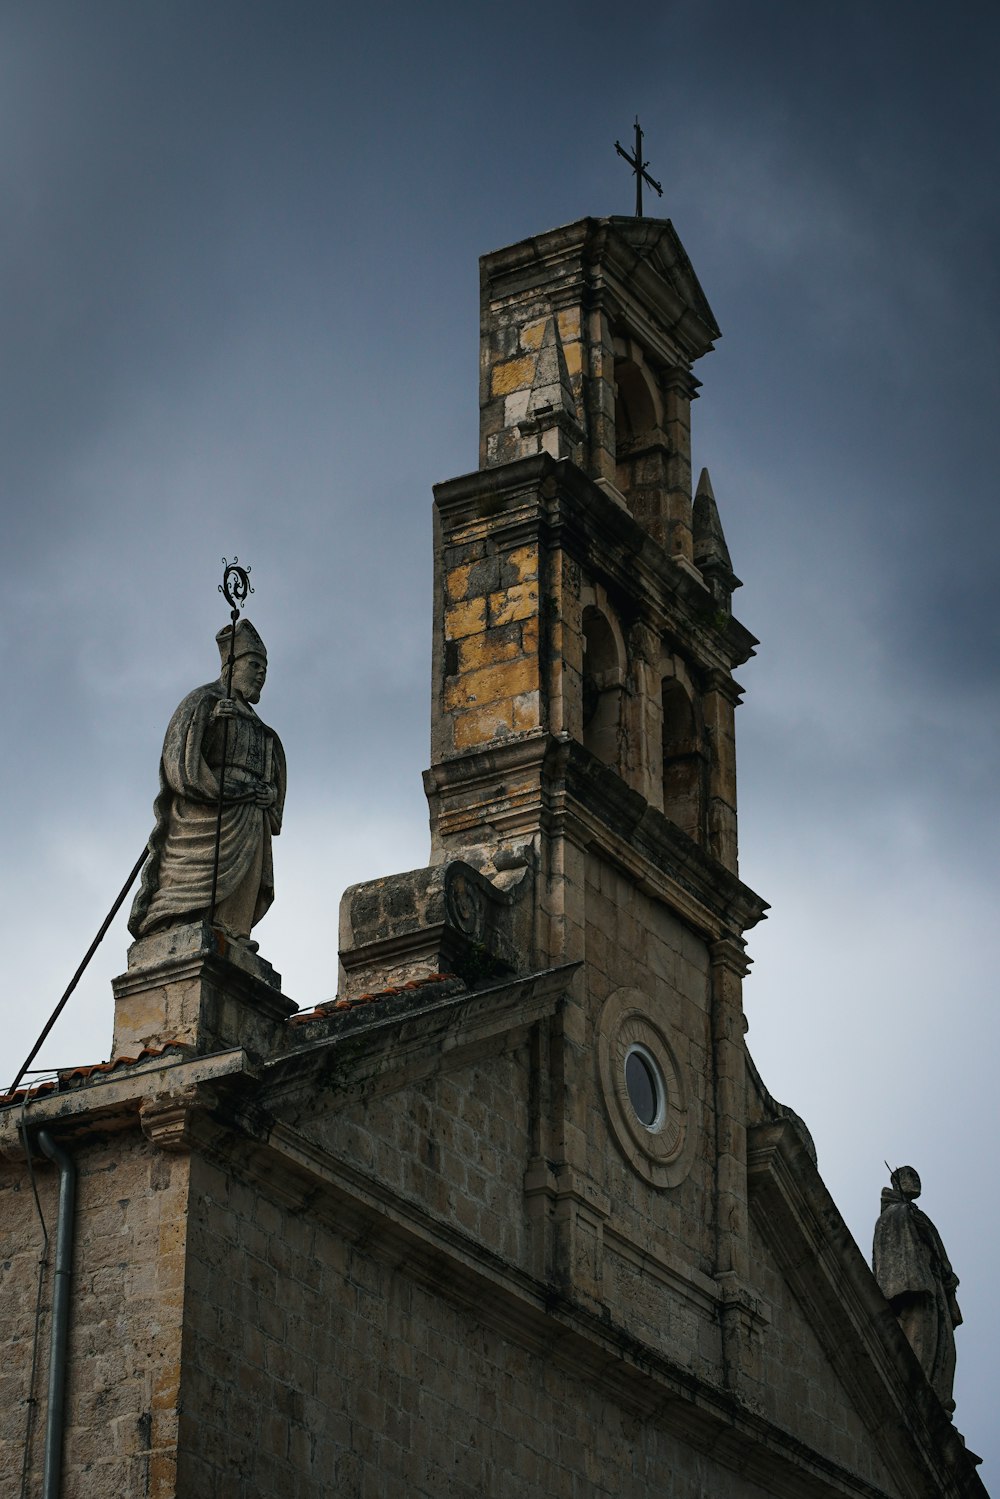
{"x": 238, "y": 293}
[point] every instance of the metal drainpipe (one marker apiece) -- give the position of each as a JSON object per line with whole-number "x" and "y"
{"x": 52, "y": 1470}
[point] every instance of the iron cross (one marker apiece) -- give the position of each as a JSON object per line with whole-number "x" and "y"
{"x": 639, "y": 168}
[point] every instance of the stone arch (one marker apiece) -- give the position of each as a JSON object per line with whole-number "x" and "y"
{"x": 683, "y": 757}
{"x": 638, "y": 399}
{"x": 603, "y": 683}
{"x": 635, "y": 401}
{"x": 638, "y": 413}
{"x": 642, "y": 456}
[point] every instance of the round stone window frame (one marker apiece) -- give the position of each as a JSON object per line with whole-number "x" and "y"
{"x": 663, "y": 1152}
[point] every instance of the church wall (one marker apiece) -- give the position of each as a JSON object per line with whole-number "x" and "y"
{"x": 634, "y": 943}
{"x": 458, "y": 1144}
{"x": 657, "y": 1241}
{"x": 125, "y": 1310}
{"x": 265, "y": 1294}
{"x": 800, "y": 1390}
{"x": 633, "y": 940}
{"x": 315, "y": 1366}
{"x": 665, "y": 1308}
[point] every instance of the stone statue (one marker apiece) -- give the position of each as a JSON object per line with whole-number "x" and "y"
{"x": 917, "y": 1280}
{"x": 177, "y": 876}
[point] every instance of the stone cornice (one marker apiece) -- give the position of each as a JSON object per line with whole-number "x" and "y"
{"x": 656, "y": 853}
{"x": 386, "y": 1046}
{"x": 578, "y": 796}
{"x": 576, "y": 514}
{"x": 648, "y": 281}
{"x": 635, "y": 269}
{"x": 115, "y": 1100}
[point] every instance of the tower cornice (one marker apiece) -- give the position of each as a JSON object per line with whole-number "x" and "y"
{"x": 576, "y": 514}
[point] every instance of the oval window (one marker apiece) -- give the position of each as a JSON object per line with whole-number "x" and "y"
{"x": 644, "y": 1084}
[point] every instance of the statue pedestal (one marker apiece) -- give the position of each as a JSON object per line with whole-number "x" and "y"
{"x": 192, "y": 984}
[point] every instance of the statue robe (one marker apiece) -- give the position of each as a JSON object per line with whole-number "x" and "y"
{"x": 177, "y": 876}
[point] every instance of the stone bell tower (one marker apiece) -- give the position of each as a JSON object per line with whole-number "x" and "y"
{"x": 583, "y": 738}
{"x": 582, "y": 595}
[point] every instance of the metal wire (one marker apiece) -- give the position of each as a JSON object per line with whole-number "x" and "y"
{"x": 78, "y": 975}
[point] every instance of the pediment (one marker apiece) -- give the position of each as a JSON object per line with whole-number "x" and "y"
{"x": 824, "y": 1297}
{"x": 657, "y": 244}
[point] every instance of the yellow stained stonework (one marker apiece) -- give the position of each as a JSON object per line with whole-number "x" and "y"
{"x": 524, "y": 561}
{"x": 482, "y": 724}
{"x": 173, "y": 1232}
{"x": 517, "y": 602}
{"x": 574, "y": 358}
{"x": 457, "y": 582}
{"x": 162, "y": 1475}
{"x": 515, "y": 374}
{"x": 532, "y": 333}
{"x": 465, "y": 619}
{"x": 492, "y": 684}
{"x": 488, "y": 649}
{"x": 529, "y": 636}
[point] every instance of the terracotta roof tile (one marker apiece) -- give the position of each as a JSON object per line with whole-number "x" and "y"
{"x": 333, "y": 1006}
{"x": 71, "y": 1077}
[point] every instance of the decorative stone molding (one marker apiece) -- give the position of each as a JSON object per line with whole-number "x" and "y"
{"x": 662, "y": 1151}
{"x": 445, "y": 918}
{"x": 168, "y": 1122}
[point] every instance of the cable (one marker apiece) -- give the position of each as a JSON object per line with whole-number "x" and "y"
{"x": 78, "y": 975}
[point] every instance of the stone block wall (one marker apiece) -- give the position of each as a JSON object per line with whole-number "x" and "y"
{"x": 458, "y": 1145}
{"x": 491, "y": 687}
{"x": 125, "y": 1341}
{"x": 664, "y": 1227}
{"x": 531, "y": 354}
{"x": 318, "y": 1366}
{"x": 263, "y": 1345}
{"x": 801, "y": 1392}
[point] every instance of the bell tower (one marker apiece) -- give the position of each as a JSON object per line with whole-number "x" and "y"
{"x": 583, "y": 596}
{"x": 583, "y": 747}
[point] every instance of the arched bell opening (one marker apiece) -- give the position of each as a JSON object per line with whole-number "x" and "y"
{"x": 636, "y": 418}
{"x": 603, "y": 677}
{"x": 683, "y": 759}
{"x": 635, "y": 405}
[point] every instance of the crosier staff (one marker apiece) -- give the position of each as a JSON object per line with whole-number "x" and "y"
{"x": 235, "y": 587}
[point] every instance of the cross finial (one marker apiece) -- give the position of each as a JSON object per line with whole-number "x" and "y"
{"x": 639, "y": 168}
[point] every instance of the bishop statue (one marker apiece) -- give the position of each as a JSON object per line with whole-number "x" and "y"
{"x": 216, "y": 734}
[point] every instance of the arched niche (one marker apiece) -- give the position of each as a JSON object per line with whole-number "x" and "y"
{"x": 640, "y": 444}
{"x": 683, "y": 758}
{"x": 603, "y": 680}
{"x": 635, "y": 403}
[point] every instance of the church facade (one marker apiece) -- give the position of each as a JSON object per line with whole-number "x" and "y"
{"x": 515, "y": 1213}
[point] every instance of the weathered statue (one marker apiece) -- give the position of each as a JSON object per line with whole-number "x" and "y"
{"x": 177, "y": 876}
{"x": 917, "y": 1280}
